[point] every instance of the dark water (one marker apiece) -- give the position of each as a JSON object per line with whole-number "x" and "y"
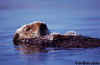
{"x": 83, "y": 19}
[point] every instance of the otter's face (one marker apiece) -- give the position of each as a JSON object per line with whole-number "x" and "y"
{"x": 31, "y": 31}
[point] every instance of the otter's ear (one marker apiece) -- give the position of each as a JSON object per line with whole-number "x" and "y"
{"x": 43, "y": 29}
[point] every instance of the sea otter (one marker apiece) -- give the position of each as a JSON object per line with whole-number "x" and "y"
{"x": 32, "y": 30}
{"x": 38, "y": 37}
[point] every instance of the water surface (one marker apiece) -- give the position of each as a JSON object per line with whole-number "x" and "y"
{"x": 61, "y": 16}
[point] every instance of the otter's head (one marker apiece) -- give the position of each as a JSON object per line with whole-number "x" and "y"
{"x": 32, "y": 30}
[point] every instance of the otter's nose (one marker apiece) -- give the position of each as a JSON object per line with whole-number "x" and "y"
{"x": 15, "y": 39}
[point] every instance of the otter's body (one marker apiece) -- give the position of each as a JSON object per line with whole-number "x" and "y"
{"x": 63, "y": 42}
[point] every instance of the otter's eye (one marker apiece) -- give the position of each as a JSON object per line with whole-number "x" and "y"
{"x": 28, "y": 29}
